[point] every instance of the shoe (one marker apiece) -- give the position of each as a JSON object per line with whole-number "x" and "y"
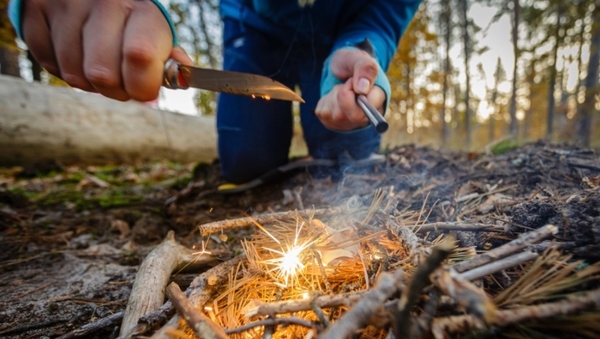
{"x": 279, "y": 172}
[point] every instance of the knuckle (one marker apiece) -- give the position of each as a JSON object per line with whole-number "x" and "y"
{"x": 139, "y": 53}
{"x": 102, "y": 77}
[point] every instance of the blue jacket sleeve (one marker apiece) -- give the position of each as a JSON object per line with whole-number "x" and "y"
{"x": 382, "y": 22}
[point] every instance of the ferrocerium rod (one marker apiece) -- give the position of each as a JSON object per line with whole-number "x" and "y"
{"x": 373, "y": 114}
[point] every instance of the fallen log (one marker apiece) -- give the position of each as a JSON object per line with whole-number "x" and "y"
{"x": 42, "y": 124}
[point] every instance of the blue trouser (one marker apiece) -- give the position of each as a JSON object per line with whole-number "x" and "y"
{"x": 255, "y": 134}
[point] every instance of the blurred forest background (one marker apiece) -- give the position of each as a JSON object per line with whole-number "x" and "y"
{"x": 467, "y": 73}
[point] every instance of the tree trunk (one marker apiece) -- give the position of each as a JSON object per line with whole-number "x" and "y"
{"x": 588, "y": 109}
{"x": 36, "y": 68}
{"x": 9, "y": 61}
{"x": 42, "y": 124}
{"x": 447, "y": 36}
{"x": 514, "y": 126}
{"x": 467, "y": 51}
{"x": 553, "y": 75}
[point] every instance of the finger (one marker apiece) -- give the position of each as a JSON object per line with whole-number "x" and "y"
{"x": 67, "y": 38}
{"x": 36, "y": 32}
{"x": 146, "y": 46}
{"x": 377, "y": 98}
{"x": 181, "y": 56}
{"x": 346, "y": 98}
{"x": 356, "y": 64}
{"x": 102, "y": 41}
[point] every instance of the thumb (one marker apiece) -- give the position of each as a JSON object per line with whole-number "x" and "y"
{"x": 181, "y": 56}
{"x": 356, "y": 64}
{"x": 364, "y": 74}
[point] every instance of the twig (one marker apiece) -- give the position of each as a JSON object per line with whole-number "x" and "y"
{"x": 199, "y": 292}
{"x": 570, "y": 305}
{"x": 289, "y": 306}
{"x": 465, "y": 293}
{"x": 516, "y": 245}
{"x": 456, "y": 226}
{"x": 86, "y": 330}
{"x": 359, "y": 315}
{"x": 496, "y": 266}
{"x": 147, "y": 294}
{"x": 420, "y": 279}
{"x": 409, "y": 240}
{"x": 202, "y": 325}
{"x": 272, "y": 322}
{"x": 223, "y": 225}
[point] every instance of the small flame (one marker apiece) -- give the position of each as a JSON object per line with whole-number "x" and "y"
{"x": 266, "y": 97}
{"x": 253, "y": 96}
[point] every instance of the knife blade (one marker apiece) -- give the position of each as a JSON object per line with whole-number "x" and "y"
{"x": 178, "y": 76}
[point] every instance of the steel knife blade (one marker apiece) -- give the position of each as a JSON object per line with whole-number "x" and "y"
{"x": 178, "y": 76}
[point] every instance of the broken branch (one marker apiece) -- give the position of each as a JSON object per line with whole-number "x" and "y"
{"x": 200, "y": 323}
{"x": 507, "y": 249}
{"x": 358, "y": 316}
{"x": 570, "y": 305}
{"x": 147, "y": 294}
{"x": 224, "y": 225}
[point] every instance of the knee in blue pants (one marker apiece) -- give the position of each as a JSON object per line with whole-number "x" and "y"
{"x": 254, "y": 135}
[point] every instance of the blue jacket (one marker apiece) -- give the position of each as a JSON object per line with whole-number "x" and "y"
{"x": 332, "y": 24}
{"x": 338, "y": 23}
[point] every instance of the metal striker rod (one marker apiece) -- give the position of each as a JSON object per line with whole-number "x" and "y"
{"x": 374, "y": 116}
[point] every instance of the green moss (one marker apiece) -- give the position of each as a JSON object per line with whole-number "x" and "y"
{"x": 505, "y": 146}
{"x": 89, "y": 200}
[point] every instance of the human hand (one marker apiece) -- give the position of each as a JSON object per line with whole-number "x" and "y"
{"x": 113, "y": 47}
{"x": 337, "y": 109}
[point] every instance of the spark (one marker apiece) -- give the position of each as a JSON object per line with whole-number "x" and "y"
{"x": 288, "y": 262}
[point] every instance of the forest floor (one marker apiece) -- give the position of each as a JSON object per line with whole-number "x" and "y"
{"x": 72, "y": 239}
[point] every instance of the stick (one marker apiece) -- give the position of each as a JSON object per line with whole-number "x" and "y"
{"x": 499, "y": 265}
{"x": 86, "y": 330}
{"x": 272, "y": 322}
{"x": 456, "y": 226}
{"x": 147, "y": 294}
{"x": 197, "y": 292}
{"x": 358, "y": 316}
{"x": 570, "y": 305}
{"x": 200, "y": 323}
{"x": 201, "y": 290}
{"x": 402, "y": 323}
{"x": 516, "y": 245}
{"x": 465, "y": 293}
{"x": 409, "y": 240}
{"x": 224, "y": 225}
{"x": 290, "y": 306}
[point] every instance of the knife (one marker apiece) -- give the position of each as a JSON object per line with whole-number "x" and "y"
{"x": 178, "y": 76}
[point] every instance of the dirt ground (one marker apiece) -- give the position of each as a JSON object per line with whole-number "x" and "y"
{"x": 72, "y": 238}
